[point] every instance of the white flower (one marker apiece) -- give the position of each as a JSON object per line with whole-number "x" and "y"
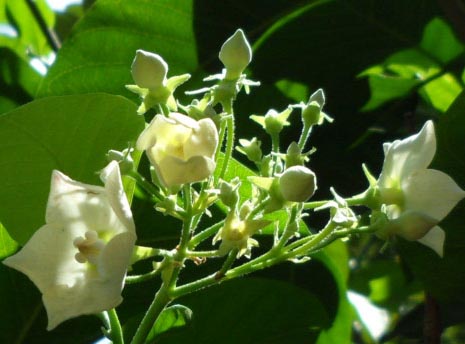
{"x": 235, "y": 54}
{"x": 78, "y": 259}
{"x": 180, "y": 148}
{"x": 409, "y": 188}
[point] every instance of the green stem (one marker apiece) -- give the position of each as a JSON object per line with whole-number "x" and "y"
{"x": 205, "y": 234}
{"x": 275, "y": 150}
{"x": 147, "y": 186}
{"x": 352, "y": 201}
{"x": 304, "y": 136}
{"x": 227, "y": 263}
{"x": 116, "y": 333}
{"x": 141, "y": 278}
{"x": 229, "y": 145}
{"x": 159, "y": 303}
{"x": 201, "y": 254}
{"x": 315, "y": 240}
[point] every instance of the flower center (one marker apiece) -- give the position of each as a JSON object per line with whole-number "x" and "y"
{"x": 89, "y": 247}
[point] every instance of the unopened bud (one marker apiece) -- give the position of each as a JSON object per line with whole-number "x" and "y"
{"x": 149, "y": 70}
{"x": 235, "y": 54}
{"x": 297, "y": 184}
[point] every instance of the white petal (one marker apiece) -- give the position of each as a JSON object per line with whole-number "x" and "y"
{"x": 203, "y": 140}
{"x": 431, "y": 192}
{"x": 149, "y": 70}
{"x": 173, "y": 171}
{"x": 80, "y": 206}
{"x": 48, "y": 258}
{"x": 117, "y": 197}
{"x": 434, "y": 239}
{"x": 402, "y": 157}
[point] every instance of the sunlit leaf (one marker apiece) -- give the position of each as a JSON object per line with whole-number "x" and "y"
{"x": 71, "y": 134}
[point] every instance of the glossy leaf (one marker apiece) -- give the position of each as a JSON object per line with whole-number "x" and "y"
{"x": 71, "y": 134}
{"x": 251, "y": 310}
{"x": 172, "y": 317}
{"x": 98, "y": 54}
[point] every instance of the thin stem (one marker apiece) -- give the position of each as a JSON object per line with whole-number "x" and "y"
{"x": 202, "y": 254}
{"x": 205, "y": 234}
{"x": 159, "y": 303}
{"x": 227, "y": 263}
{"x": 50, "y": 34}
{"x": 229, "y": 145}
{"x": 141, "y": 278}
{"x": 355, "y": 200}
{"x": 315, "y": 240}
{"x": 304, "y": 136}
{"x": 146, "y": 185}
{"x": 116, "y": 333}
{"x": 275, "y": 150}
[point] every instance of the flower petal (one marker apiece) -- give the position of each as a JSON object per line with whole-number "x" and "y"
{"x": 80, "y": 206}
{"x": 173, "y": 171}
{"x": 48, "y": 258}
{"x": 434, "y": 239}
{"x": 402, "y": 157}
{"x": 117, "y": 197}
{"x": 431, "y": 192}
{"x": 203, "y": 141}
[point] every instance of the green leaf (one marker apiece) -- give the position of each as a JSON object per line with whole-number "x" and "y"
{"x": 386, "y": 88}
{"x": 441, "y": 92}
{"x": 336, "y": 259}
{"x": 439, "y": 40}
{"x": 71, "y": 134}
{"x": 172, "y": 317}
{"x": 251, "y": 310}
{"x": 445, "y": 278}
{"x": 7, "y": 245}
{"x": 30, "y": 39}
{"x": 98, "y": 54}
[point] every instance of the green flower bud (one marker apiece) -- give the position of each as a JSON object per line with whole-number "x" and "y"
{"x": 294, "y": 155}
{"x": 149, "y": 70}
{"x": 235, "y": 54}
{"x": 229, "y": 192}
{"x": 297, "y": 184}
{"x": 312, "y": 113}
{"x": 251, "y": 149}
{"x": 124, "y": 159}
{"x": 273, "y": 122}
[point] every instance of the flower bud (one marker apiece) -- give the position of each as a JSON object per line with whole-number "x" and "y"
{"x": 229, "y": 192}
{"x": 294, "y": 155}
{"x": 273, "y": 122}
{"x": 297, "y": 184}
{"x": 235, "y": 54}
{"x": 251, "y": 149}
{"x": 312, "y": 113}
{"x": 180, "y": 148}
{"x": 149, "y": 70}
{"x": 124, "y": 158}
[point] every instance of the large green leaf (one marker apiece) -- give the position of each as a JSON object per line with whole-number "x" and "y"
{"x": 98, "y": 54}
{"x": 68, "y": 133}
{"x": 251, "y": 310}
{"x": 445, "y": 278}
{"x": 336, "y": 259}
